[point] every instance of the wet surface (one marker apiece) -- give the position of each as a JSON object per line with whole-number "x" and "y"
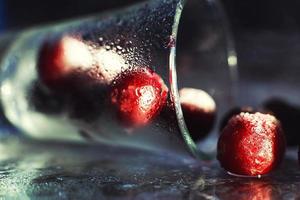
{"x": 39, "y": 170}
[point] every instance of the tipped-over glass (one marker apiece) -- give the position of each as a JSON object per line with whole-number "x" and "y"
{"x": 115, "y": 78}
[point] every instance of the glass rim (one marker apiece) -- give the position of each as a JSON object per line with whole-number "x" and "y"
{"x": 231, "y": 64}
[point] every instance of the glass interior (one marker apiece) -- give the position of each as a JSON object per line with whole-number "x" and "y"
{"x": 113, "y": 45}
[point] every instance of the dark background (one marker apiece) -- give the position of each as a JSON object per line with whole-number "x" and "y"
{"x": 244, "y": 15}
{"x": 266, "y": 32}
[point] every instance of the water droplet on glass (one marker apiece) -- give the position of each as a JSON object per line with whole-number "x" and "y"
{"x": 119, "y": 47}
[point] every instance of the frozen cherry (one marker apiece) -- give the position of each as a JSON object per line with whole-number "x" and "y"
{"x": 289, "y": 116}
{"x": 59, "y": 58}
{"x": 199, "y": 111}
{"x": 251, "y": 144}
{"x": 138, "y": 96}
{"x": 232, "y": 112}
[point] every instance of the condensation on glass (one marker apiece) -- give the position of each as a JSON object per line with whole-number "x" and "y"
{"x": 187, "y": 43}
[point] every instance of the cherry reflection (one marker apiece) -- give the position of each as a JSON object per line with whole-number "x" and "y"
{"x": 250, "y": 190}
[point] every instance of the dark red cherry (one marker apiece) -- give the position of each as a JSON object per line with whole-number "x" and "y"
{"x": 199, "y": 111}
{"x": 138, "y": 96}
{"x": 251, "y": 144}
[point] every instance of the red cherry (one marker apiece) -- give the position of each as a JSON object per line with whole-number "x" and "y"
{"x": 251, "y": 144}
{"x": 138, "y": 96}
{"x": 199, "y": 111}
{"x": 57, "y": 59}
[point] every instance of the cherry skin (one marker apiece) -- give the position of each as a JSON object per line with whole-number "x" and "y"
{"x": 59, "y": 58}
{"x": 199, "y": 111}
{"x": 251, "y": 144}
{"x": 138, "y": 96}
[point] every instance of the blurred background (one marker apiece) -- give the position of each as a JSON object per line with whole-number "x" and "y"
{"x": 244, "y": 15}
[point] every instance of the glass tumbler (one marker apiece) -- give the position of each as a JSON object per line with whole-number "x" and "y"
{"x": 115, "y": 77}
